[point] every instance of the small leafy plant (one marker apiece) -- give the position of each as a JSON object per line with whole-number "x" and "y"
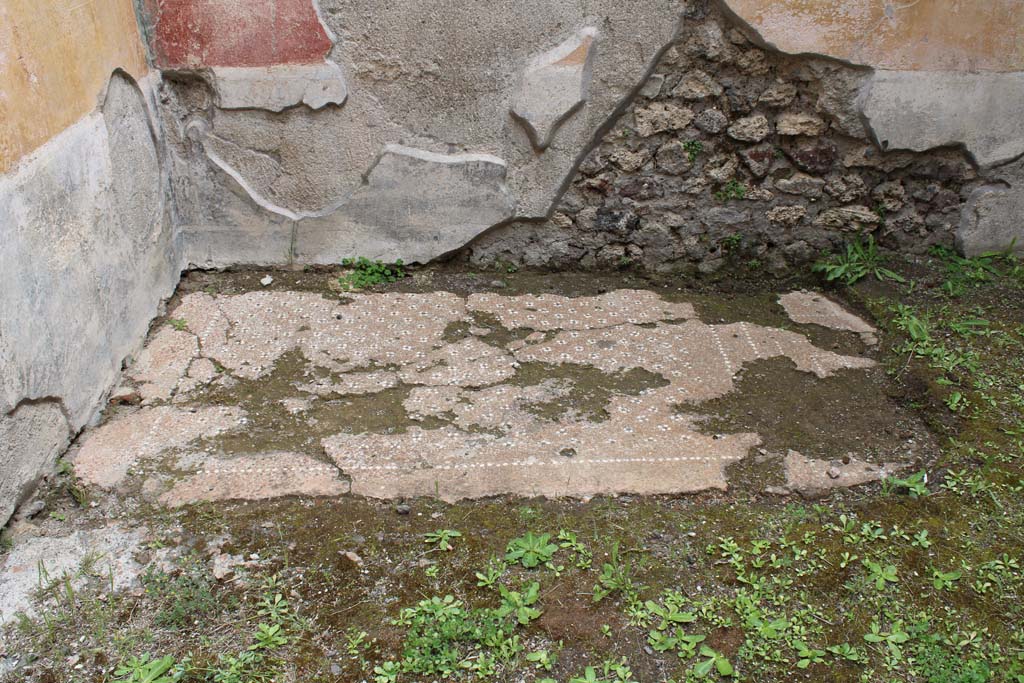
{"x": 616, "y": 576}
{"x": 731, "y": 243}
{"x": 848, "y": 652}
{"x": 366, "y": 273}
{"x": 963, "y": 273}
{"x": 916, "y": 485}
{"x": 944, "y": 580}
{"x": 442, "y": 538}
{"x": 807, "y": 655}
{"x": 731, "y": 190}
{"x": 531, "y": 550}
{"x": 581, "y": 555}
{"x": 521, "y": 603}
{"x": 893, "y": 639}
{"x": 146, "y": 670}
{"x": 493, "y": 572}
{"x": 693, "y": 148}
{"x": 713, "y": 659}
{"x": 880, "y": 574}
{"x": 589, "y": 676}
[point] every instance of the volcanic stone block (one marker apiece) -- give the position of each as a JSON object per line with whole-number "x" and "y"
{"x": 750, "y": 129}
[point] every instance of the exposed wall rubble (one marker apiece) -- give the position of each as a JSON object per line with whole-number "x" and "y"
{"x": 731, "y": 149}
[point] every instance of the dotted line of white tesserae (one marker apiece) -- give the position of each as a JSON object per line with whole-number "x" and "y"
{"x": 539, "y": 463}
{"x": 563, "y": 462}
{"x": 270, "y": 470}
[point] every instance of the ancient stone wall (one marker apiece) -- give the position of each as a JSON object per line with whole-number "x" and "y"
{"x": 428, "y": 127}
{"x": 87, "y": 248}
{"x": 341, "y": 127}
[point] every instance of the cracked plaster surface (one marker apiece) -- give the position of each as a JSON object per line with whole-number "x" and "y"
{"x": 267, "y": 475}
{"x": 811, "y": 308}
{"x": 813, "y": 478}
{"x": 106, "y": 455}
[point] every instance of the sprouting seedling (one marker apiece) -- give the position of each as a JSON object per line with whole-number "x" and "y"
{"x": 441, "y": 538}
{"x": 880, "y": 574}
{"x": 713, "y": 659}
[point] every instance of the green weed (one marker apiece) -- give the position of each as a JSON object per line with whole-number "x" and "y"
{"x": 442, "y": 538}
{"x": 531, "y": 550}
{"x": 366, "y": 273}
{"x": 731, "y": 190}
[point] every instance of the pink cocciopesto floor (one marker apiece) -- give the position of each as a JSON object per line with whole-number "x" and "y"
{"x": 467, "y": 420}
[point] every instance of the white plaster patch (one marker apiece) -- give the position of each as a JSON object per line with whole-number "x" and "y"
{"x": 553, "y": 87}
{"x": 280, "y": 86}
{"x": 111, "y": 549}
{"x": 921, "y": 110}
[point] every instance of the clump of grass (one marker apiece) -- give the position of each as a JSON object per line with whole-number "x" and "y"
{"x": 184, "y": 598}
{"x": 859, "y": 260}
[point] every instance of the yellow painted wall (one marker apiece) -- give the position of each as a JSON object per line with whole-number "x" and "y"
{"x": 55, "y": 59}
{"x": 919, "y": 35}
